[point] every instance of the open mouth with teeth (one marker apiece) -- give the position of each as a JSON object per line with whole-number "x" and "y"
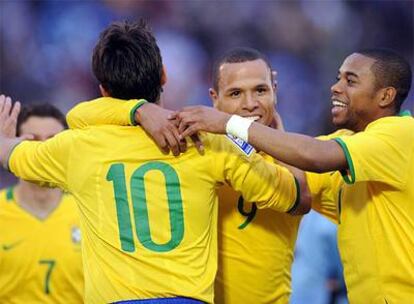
{"x": 338, "y": 103}
{"x": 338, "y": 106}
{"x": 254, "y": 118}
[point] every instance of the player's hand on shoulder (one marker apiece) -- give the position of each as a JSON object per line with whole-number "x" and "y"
{"x": 201, "y": 118}
{"x": 164, "y": 131}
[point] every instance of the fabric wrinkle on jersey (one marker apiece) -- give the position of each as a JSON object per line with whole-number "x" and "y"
{"x": 177, "y": 256}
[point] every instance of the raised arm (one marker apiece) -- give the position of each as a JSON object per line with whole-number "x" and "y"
{"x": 101, "y": 111}
{"x": 304, "y": 152}
{"x": 301, "y": 151}
{"x": 153, "y": 118}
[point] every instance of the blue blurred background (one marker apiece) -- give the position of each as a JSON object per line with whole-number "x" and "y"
{"x": 46, "y": 47}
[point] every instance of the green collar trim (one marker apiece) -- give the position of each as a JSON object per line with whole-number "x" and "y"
{"x": 405, "y": 113}
{"x": 348, "y": 178}
{"x": 9, "y": 194}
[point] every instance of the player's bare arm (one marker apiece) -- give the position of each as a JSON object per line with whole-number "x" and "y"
{"x": 301, "y": 151}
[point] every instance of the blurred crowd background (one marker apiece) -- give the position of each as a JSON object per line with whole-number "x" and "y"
{"x": 46, "y": 47}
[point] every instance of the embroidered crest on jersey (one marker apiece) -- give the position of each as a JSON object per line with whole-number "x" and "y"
{"x": 76, "y": 235}
{"x": 241, "y": 144}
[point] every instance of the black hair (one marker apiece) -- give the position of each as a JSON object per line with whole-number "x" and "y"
{"x": 390, "y": 70}
{"x": 39, "y": 110}
{"x": 127, "y": 61}
{"x": 237, "y": 55}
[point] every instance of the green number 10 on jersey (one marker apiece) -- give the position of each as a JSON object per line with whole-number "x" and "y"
{"x": 116, "y": 175}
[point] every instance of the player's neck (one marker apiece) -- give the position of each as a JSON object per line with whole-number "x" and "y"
{"x": 38, "y": 201}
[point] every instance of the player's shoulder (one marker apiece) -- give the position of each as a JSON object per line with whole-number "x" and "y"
{"x": 399, "y": 128}
{"x": 111, "y": 132}
{"x": 404, "y": 121}
{"x": 337, "y": 133}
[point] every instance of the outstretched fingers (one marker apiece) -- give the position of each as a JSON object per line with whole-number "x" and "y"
{"x": 8, "y": 116}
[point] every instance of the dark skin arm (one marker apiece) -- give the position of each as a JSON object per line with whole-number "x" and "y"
{"x": 301, "y": 151}
{"x": 155, "y": 121}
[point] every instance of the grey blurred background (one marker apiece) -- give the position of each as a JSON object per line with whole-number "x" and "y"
{"x": 46, "y": 47}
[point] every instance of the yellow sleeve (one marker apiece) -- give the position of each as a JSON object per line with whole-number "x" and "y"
{"x": 324, "y": 188}
{"x": 268, "y": 185}
{"x": 43, "y": 162}
{"x": 378, "y": 154}
{"x": 105, "y": 110}
{"x": 324, "y": 197}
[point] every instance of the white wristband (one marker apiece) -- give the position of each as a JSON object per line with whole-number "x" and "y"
{"x": 239, "y": 126}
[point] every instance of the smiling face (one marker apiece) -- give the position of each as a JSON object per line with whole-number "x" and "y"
{"x": 246, "y": 89}
{"x": 355, "y": 98}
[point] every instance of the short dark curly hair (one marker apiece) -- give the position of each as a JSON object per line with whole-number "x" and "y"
{"x": 127, "y": 61}
{"x": 390, "y": 70}
{"x": 237, "y": 55}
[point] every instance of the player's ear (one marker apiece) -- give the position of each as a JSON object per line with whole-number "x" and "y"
{"x": 104, "y": 92}
{"x": 214, "y": 97}
{"x": 387, "y": 96}
{"x": 163, "y": 75}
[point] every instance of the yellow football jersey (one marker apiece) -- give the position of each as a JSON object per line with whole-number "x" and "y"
{"x": 103, "y": 111}
{"x": 255, "y": 251}
{"x": 149, "y": 220}
{"x": 376, "y": 230}
{"x": 40, "y": 260}
{"x": 255, "y": 246}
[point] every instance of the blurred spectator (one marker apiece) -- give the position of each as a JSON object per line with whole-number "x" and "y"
{"x": 317, "y": 270}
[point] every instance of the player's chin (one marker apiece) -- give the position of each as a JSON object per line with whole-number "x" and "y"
{"x": 339, "y": 121}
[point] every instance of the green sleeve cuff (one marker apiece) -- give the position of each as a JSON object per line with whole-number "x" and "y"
{"x": 297, "y": 201}
{"x": 348, "y": 178}
{"x": 139, "y": 104}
